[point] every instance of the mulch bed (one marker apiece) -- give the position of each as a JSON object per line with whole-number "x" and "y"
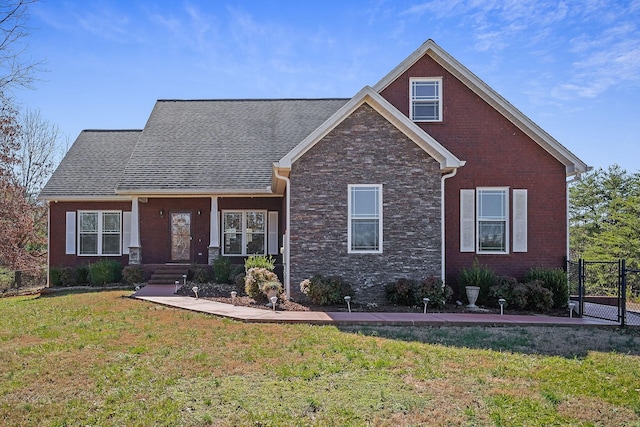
{"x": 222, "y": 293}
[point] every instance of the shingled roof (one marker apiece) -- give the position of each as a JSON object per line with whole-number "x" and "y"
{"x": 93, "y": 165}
{"x": 219, "y": 146}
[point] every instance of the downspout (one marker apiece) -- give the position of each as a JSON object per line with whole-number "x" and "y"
{"x": 442, "y": 225}
{"x": 287, "y": 240}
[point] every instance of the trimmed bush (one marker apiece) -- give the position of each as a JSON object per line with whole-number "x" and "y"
{"x": 555, "y": 280}
{"x": 402, "y": 292}
{"x": 411, "y": 292}
{"x": 433, "y": 288}
{"x": 199, "y": 273}
{"x": 132, "y": 274}
{"x": 260, "y": 261}
{"x": 255, "y": 279}
{"x": 82, "y": 274}
{"x": 522, "y": 296}
{"x": 540, "y": 299}
{"x": 68, "y": 276}
{"x": 326, "y": 290}
{"x": 222, "y": 270}
{"x": 54, "y": 276}
{"x": 105, "y": 271}
{"x": 269, "y": 288}
{"x": 478, "y": 275}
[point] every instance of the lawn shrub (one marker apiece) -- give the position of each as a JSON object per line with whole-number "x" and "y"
{"x": 326, "y": 290}
{"x": 260, "y": 261}
{"x": 254, "y": 281}
{"x": 272, "y": 288}
{"x": 222, "y": 270}
{"x": 68, "y": 276}
{"x": 132, "y": 274}
{"x": 82, "y": 274}
{"x": 478, "y": 275}
{"x": 237, "y": 276}
{"x": 54, "y": 276}
{"x": 199, "y": 273}
{"x": 411, "y": 292}
{"x": 401, "y": 292}
{"x": 105, "y": 271}
{"x": 433, "y": 288}
{"x": 521, "y": 296}
{"x": 540, "y": 299}
{"x": 553, "y": 279}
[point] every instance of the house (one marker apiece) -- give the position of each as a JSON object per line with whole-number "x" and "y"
{"x": 415, "y": 176}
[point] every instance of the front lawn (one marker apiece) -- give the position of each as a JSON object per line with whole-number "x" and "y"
{"x": 99, "y": 358}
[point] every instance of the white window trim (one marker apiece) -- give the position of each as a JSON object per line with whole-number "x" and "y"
{"x": 380, "y": 204}
{"x": 244, "y": 234}
{"x": 100, "y": 233}
{"x": 440, "y": 98}
{"x": 479, "y": 190}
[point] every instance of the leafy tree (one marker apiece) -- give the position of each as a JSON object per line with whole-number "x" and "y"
{"x": 604, "y": 215}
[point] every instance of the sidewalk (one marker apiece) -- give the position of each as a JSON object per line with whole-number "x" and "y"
{"x": 257, "y": 315}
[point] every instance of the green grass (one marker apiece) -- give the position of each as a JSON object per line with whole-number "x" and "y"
{"x": 98, "y": 358}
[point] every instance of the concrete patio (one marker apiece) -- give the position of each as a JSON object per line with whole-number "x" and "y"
{"x": 164, "y": 295}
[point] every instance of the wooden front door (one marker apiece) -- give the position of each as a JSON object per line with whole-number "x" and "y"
{"x": 180, "y": 236}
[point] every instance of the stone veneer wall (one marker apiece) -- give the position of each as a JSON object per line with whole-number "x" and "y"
{"x": 365, "y": 149}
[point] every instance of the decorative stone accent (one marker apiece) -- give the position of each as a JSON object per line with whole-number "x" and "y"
{"x": 214, "y": 253}
{"x": 135, "y": 255}
{"x": 365, "y": 149}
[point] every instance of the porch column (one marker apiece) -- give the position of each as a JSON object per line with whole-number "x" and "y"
{"x": 135, "y": 252}
{"x": 214, "y": 231}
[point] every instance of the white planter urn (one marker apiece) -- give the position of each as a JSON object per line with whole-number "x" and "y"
{"x": 472, "y": 295}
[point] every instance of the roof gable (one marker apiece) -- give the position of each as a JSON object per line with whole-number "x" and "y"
{"x": 572, "y": 163}
{"x": 369, "y": 96}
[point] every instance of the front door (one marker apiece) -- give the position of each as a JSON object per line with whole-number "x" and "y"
{"x": 180, "y": 236}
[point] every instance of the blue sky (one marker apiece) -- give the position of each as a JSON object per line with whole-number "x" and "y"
{"x": 571, "y": 66}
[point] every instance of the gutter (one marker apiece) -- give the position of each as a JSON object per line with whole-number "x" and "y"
{"x": 287, "y": 240}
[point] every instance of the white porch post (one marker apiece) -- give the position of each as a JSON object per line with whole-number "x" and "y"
{"x": 214, "y": 231}
{"x": 135, "y": 256}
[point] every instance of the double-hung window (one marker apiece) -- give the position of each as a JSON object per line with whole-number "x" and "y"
{"x": 365, "y": 219}
{"x": 99, "y": 232}
{"x": 426, "y": 99}
{"x": 485, "y": 221}
{"x": 492, "y": 226}
{"x": 244, "y": 232}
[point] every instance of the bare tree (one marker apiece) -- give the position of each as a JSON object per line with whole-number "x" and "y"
{"x": 15, "y": 68}
{"x": 39, "y": 150}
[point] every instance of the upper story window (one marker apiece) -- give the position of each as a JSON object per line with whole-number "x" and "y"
{"x": 365, "y": 219}
{"x": 426, "y": 99}
{"x": 99, "y": 232}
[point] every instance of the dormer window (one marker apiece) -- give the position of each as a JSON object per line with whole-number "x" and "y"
{"x": 426, "y": 99}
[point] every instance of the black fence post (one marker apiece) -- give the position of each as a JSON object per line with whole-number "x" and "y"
{"x": 580, "y": 287}
{"x": 623, "y": 293}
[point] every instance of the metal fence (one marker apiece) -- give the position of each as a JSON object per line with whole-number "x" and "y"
{"x": 605, "y": 290}
{"x": 14, "y": 282}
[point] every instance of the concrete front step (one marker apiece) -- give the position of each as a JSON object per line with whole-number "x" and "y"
{"x": 169, "y": 274}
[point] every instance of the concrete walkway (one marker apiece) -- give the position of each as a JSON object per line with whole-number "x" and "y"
{"x": 163, "y": 295}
